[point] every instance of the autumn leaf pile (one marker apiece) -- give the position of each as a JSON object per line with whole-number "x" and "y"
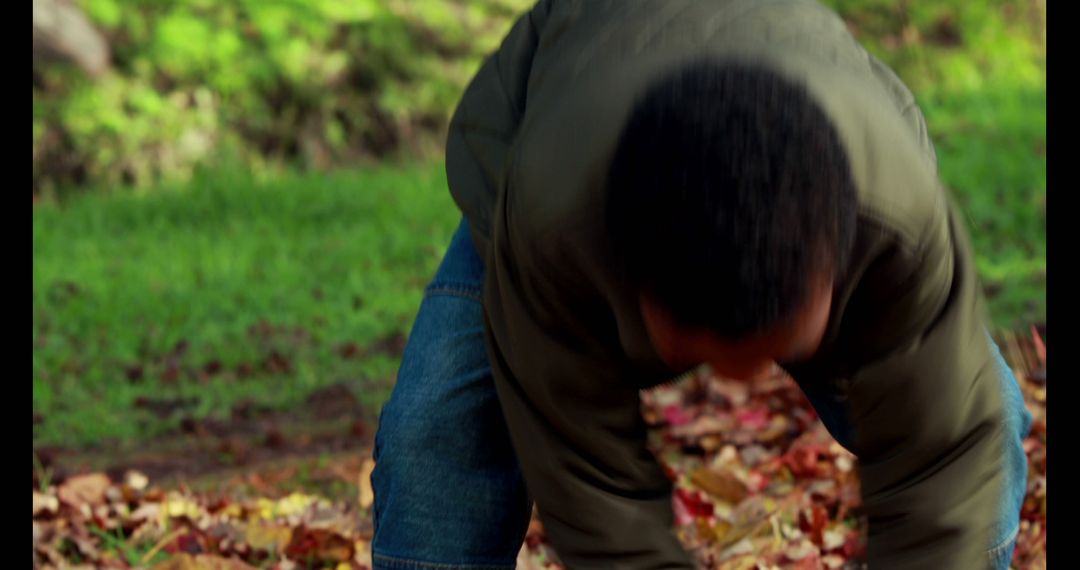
{"x": 758, "y": 484}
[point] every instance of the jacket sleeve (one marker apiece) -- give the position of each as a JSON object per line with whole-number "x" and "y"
{"x": 486, "y": 119}
{"x": 573, "y": 411}
{"x": 928, "y": 418}
{"x": 928, "y": 412}
{"x": 573, "y": 417}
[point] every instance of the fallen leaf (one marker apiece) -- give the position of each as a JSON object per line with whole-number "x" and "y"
{"x": 84, "y": 490}
{"x": 777, "y": 427}
{"x": 707, "y": 424}
{"x": 676, "y": 415}
{"x": 362, "y": 553}
{"x": 753, "y": 419}
{"x": 832, "y": 561}
{"x": 45, "y": 504}
{"x": 720, "y": 484}
{"x": 800, "y": 550}
{"x": 689, "y": 505}
{"x": 324, "y": 545}
{"x": 367, "y": 494}
{"x": 202, "y": 562}
{"x": 814, "y": 523}
{"x": 267, "y": 536}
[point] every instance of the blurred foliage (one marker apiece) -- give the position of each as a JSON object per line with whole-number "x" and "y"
{"x": 312, "y": 82}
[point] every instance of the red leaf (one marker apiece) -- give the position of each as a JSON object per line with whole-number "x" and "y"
{"x": 676, "y": 415}
{"x": 814, "y": 524}
{"x": 689, "y": 505}
{"x": 753, "y": 419}
{"x": 803, "y": 462}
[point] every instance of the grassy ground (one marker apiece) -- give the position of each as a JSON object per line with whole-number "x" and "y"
{"x": 992, "y": 154}
{"x": 196, "y": 299}
{"x": 232, "y": 292}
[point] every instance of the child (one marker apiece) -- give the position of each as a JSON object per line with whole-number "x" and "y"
{"x": 647, "y": 186}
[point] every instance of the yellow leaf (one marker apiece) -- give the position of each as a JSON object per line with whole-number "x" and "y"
{"x": 270, "y": 537}
{"x": 367, "y": 495}
{"x": 176, "y": 505}
{"x": 45, "y": 503}
{"x": 361, "y": 553}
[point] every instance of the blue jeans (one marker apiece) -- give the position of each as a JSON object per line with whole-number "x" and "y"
{"x": 449, "y": 493}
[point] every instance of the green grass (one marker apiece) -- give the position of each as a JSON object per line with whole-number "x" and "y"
{"x": 991, "y": 149}
{"x": 120, "y": 280}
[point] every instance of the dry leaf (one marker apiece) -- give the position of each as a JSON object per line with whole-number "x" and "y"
{"x": 322, "y": 544}
{"x": 84, "y": 490}
{"x": 267, "y": 536}
{"x": 45, "y": 504}
{"x": 202, "y": 562}
{"x": 136, "y": 480}
{"x": 367, "y": 495}
{"x": 720, "y": 484}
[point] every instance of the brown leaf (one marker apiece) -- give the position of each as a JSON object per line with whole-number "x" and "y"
{"x": 80, "y": 537}
{"x": 145, "y": 512}
{"x": 778, "y": 426}
{"x": 324, "y": 545}
{"x": 707, "y": 424}
{"x": 720, "y": 484}
{"x": 84, "y": 490}
{"x": 202, "y": 562}
{"x": 50, "y": 553}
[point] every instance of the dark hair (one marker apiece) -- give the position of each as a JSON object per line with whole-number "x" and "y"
{"x": 729, "y": 190}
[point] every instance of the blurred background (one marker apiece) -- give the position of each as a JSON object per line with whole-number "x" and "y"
{"x": 238, "y": 203}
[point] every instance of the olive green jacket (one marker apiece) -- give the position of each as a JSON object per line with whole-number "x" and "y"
{"x": 906, "y": 347}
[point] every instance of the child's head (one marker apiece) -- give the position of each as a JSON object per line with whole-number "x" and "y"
{"x": 732, "y": 208}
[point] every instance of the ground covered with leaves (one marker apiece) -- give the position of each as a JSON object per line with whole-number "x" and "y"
{"x": 759, "y": 484}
